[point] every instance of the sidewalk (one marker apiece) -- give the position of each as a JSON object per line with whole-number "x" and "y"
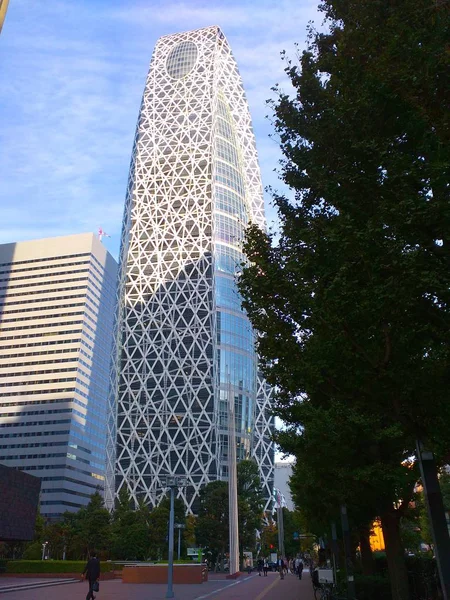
{"x": 246, "y": 587}
{"x": 269, "y": 588}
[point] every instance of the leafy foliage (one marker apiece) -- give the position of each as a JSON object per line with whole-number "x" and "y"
{"x": 212, "y": 528}
{"x": 129, "y": 533}
{"x": 52, "y": 566}
{"x": 93, "y": 525}
{"x": 130, "y": 529}
{"x": 250, "y": 502}
{"x": 352, "y": 300}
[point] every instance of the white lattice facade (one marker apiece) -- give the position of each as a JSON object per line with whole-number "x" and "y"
{"x": 183, "y": 343}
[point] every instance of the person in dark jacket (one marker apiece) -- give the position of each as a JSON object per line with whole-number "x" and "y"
{"x": 92, "y": 573}
{"x": 260, "y": 566}
{"x": 299, "y": 565}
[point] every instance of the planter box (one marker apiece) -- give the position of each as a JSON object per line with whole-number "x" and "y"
{"x": 158, "y": 574}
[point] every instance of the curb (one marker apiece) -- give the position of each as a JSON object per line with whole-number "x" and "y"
{"x": 31, "y": 586}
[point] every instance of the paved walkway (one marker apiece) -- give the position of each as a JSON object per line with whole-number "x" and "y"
{"x": 246, "y": 587}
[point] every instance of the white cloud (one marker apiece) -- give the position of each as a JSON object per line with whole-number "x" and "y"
{"x": 71, "y": 81}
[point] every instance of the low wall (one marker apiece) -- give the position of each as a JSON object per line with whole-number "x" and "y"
{"x": 158, "y": 574}
{"x": 103, "y": 576}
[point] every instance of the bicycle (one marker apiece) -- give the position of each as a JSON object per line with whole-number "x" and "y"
{"x": 326, "y": 591}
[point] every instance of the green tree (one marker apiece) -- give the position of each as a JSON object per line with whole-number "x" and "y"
{"x": 159, "y": 526}
{"x": 94, "y": 525}
{"x": 130, "y": 528}
{"x": 352, "y": 301}
{"x": 33, "y": 550}
{"x": 189, "y": 532}
{"x": 337, "y": 463}
{"x": 212, "y": 529}
{"x": 292, "y": 525}
{"x": 444, "y": 482}
{"x": 269, "y": 538}
{"x": 250, "y": 502}
{"x": 159, "y": 530}
{"x": 76, "y": 547}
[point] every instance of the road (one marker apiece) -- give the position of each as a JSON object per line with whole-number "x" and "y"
{"x": 246, "y": 587}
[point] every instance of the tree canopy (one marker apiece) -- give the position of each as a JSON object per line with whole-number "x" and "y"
{"x": 352, "y": 300}
{"x": 212, "y": 528}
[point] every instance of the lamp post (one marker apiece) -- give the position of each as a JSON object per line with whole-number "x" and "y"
{"x": 173, "y": 482}
{"x": 280, "y": 520}
{"x": 44, "y": 550}
{"x": 232, "y": 488}
{"x": 179, "y": 526}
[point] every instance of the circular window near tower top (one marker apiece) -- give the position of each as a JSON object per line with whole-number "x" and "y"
{"x": 181, "y": 59}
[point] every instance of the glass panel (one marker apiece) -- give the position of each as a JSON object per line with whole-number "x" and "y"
{"x": 181, "y": 59}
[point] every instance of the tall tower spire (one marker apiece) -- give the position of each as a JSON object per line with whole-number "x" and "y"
{"x": 194, "y": 185}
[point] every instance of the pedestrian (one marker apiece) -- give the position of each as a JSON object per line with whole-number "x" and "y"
{"x": 91, "y": 574}
{"x": 265, "y": 567}
{"x": 281, "y": 567}
{"x": 249, "y": 566}
{"x": 299, "y": 567}
{"x": 260, "y": 566}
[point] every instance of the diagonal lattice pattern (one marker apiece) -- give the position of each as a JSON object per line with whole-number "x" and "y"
{"x": 183, "y": 344}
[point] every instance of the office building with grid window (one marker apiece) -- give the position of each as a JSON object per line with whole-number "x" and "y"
{"x": 57, "y": 299}
{"x": 184, "y": 347}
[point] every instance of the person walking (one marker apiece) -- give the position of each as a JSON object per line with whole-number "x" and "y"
{"x": 265, "y": 567}
{"x": 92, "y": 573}
{"x": 299, "y": 565}
{"x": 281, "y": 567}
{"x": 260, "y": 566}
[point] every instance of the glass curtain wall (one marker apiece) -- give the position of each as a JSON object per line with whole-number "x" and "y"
{"x": 235, "y": 339}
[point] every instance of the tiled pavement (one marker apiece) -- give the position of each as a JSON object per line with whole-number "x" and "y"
{"x": 246, "y": 587}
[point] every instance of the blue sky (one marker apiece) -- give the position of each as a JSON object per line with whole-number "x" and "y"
{"x": 72, "y": 73}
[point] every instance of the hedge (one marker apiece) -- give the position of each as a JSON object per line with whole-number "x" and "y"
{"x": 185, "y": 561}
{"x": 372, "y": 587}
{"x": 52, "y": 566}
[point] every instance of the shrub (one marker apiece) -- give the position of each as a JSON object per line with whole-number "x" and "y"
{"x": 372, "y": 587}
{"x": 52, "y": 566}
{"x": 32, "y": 551}
{"x": 380, "y": 563}
{"x": 423, "y": 577}
{"x": 3, "y": 563}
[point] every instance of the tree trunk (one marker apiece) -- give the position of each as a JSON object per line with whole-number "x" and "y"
{"x": 366, "y": 552}
{"x": 395, "y": 555}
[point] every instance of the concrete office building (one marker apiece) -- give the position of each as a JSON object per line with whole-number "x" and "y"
{"x": 185, "y": 348}
{"x": 283, "y": 472}
{"x": 56, "y": 317}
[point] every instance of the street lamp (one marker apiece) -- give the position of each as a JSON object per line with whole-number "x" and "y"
{"x": 179, "y": 526}
{"x": 44, "y": 549}
{"x": 173, "y": 482}
{"x": 232, "y": 488}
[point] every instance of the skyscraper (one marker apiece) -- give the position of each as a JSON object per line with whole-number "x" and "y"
{"x": 185, "y": 348}
{"x": 56, "y": 319}
{"x": 3, "y": 9}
